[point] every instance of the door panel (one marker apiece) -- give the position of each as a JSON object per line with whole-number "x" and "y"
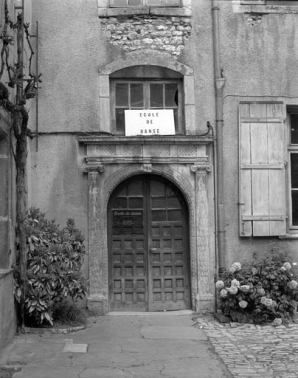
{"x": 148, "y": 249}
{"x": 128, "y": 248}
{"x": 168, "y": 285}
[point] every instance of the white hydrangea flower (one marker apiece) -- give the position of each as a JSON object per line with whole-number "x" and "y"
{"x": 263, "y": 300}
{"x": 287, "y": 265}
{"x": 243, "y": 304}
{"x": 283, "y": 269}
{"x": 233, "y": 290}
{"x": 293, "y": 284}
{"x": 261, "y": 291}
{"x": 274, "y": 304}
{"x": 277, "y": 322}
{"x": 223, "y": 293}
{"x": 232, "y": 270}
{"x": 235, "y": 283}
{"x": 236, "y": 266}
{"x": 245, "y": 288}
{"x": 219, "y": 284}
{"x": 268, "y": 302}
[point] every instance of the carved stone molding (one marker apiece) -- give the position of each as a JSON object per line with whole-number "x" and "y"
{"x": 94, "y": 168}
{"x": 153, "y": 140}
{"x": 194, "y": 188}
{"x": 201, "y": 167}
{"x": 147, "y": 168}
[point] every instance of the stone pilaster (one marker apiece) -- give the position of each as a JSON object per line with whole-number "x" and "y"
{"x": 204, "y": 297}
{"x": 98, "y": 261}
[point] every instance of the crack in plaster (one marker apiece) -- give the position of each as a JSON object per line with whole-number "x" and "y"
{"x": 79, "y": 375}
{"x": 162, "y": 370}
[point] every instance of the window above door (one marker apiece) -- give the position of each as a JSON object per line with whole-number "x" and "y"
{"x": 146, "y": 3}
{"x": 171, "y": 85}
{"x": 146, "y": 95}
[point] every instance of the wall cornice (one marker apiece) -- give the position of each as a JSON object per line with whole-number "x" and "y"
{"x": 122, "y": 140}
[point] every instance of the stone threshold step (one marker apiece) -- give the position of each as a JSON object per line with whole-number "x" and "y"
{"x": 157, "y": 313}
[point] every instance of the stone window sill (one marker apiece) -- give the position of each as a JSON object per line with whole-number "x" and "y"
{"x": 154, "y": 11}
{"x": 289, "y": 237}
{"x": 239, "y": 7}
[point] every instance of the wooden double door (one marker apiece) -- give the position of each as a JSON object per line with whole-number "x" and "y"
{"x": 148, "y": 246}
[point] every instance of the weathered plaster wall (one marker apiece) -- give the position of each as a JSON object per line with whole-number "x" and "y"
{"x": 73, "y": 46}
{"x": 71, "y": 50}
{"x": 198, "y": 54}
{"x": 58, "y": 184}
{"x": 259, "y": 58}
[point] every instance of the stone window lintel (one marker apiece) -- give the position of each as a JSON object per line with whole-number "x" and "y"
{"x": 263, "y": 8}
{"x": 153, "y": 11}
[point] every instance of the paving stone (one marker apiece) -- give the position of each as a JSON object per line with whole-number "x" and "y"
{"x": 75, "y": 348}
{"x": 254, "y": 351}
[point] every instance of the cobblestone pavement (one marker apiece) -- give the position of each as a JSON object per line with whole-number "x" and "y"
{"x": 253, "y": 351}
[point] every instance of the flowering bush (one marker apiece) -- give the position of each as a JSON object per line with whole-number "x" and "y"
{"x": 54, "y": 261}
{"x": 266, "y": 292}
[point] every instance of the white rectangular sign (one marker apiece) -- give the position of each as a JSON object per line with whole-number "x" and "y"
{"x": 149, "y": 122}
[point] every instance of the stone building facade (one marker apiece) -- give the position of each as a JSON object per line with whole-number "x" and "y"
{"x": 164, "y": 212}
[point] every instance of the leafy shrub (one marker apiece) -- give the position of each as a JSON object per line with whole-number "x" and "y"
{"x": 263, "y": 293}
{"x": 67, "y": 312}
{"x": 54, "y": 261}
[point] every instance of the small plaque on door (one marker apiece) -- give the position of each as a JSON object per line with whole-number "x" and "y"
{"x": 127, "y": 222}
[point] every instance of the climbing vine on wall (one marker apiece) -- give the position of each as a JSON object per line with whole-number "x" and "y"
{"x": 14, "y": 93}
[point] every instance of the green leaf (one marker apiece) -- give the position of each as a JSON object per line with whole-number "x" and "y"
{"x": 48, "y": 318}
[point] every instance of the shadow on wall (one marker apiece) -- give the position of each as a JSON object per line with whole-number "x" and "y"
{"x": 8, "y": 322}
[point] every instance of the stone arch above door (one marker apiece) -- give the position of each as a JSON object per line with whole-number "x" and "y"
{"x": 146, "y": 57}
{"x": 176, "y": 179}
{"x": 170, "y": 174}
{"x": 110, "y": 161}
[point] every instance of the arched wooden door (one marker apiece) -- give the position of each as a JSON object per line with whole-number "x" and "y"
{"x": 148, "y": 246}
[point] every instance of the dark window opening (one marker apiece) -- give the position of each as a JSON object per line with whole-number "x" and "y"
{"x": 294, "y": 188}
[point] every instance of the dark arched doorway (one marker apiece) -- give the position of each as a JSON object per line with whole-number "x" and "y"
{"x": 148, "y": 246}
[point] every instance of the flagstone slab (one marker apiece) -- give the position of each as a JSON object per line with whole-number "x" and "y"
{"x": 75, "y": 348}
{"x": 173, "y": 333}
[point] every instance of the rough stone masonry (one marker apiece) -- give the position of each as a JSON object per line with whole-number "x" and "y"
{"x": 139, "y": 32}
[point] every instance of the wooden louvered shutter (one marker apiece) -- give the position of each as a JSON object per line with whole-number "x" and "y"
{"x": 262, "y": 170}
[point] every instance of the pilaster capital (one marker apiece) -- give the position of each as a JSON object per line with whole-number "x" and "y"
{"x": 98, "y": 168}
{"x": 203, "y": 168}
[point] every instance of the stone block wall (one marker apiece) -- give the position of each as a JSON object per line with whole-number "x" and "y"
{"x": 142, "y": 32}
{"x": 8, "y": 322}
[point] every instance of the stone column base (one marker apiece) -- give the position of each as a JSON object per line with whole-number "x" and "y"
{"x": 98, "y": 304}
{"x": 204, "y": 303}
